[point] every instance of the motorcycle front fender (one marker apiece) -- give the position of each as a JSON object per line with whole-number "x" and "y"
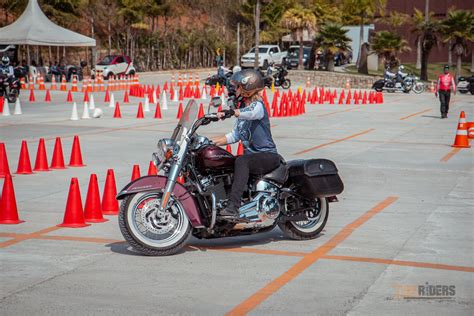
{"x": 158, "y": 183}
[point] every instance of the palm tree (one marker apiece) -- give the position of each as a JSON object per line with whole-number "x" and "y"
{"x": 426, "y": 28}
{"x": 458, "y": 27}
{"x": 364, "y": 11}
{"x": 332, "y": 39}
{"x": 388, "y": 45}
{"x": 297, "y": 20}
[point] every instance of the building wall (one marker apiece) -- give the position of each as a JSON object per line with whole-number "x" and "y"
{"x": 440, "y": 9}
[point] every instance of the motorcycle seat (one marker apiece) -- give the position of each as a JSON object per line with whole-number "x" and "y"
{"x": 278, "y": 175}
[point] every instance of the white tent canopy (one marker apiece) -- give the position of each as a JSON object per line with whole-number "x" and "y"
{"x": 34, "y": 28}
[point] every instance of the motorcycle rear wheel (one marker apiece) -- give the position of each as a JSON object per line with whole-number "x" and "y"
{"x": 150, "y": 232}
{"x": 310, "y": 229}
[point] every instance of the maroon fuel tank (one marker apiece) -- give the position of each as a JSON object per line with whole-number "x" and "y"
{"x": 212, "y": 158}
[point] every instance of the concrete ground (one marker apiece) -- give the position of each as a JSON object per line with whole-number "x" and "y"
{"x": 404, "y": 220}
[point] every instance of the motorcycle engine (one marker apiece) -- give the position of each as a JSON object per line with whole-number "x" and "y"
{"x": 263, "y": 209}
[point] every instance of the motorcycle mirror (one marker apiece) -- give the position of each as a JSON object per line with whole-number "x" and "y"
{"x": 216, "y": 102}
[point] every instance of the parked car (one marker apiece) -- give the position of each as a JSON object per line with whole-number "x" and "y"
{"x": 267, "y": 54}
{"x": 293, "y": 58}
{"x": 466, "y": 84}
{"x": 112, "y": 65}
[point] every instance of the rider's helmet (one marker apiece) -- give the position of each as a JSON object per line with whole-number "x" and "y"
{"x": 401, "y": 68}
{"x": 249, "y": 80}
{"x": 236, "y": 69}
{"x": 5, "y": 61}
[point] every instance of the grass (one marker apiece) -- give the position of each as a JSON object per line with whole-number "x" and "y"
{"x": 434, "y": 70}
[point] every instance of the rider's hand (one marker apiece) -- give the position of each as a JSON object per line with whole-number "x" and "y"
{"x": 225, "y": 113}
{"x": 436, "y": 94}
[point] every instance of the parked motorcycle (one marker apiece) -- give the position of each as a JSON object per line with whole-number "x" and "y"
{"x": 393, "y": 82}
{"x": 9, "y": 87}
{"x": 158, "y": 214}
{"x": 466, "y": 84}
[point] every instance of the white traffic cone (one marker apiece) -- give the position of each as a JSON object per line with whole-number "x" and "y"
{"x": 92, "y": 102}
{"x": 17, "y": 107}
{"x": 154, "y": 97}
{"x": 6, "y": 108}
{"x": 112, "y": 101}
{"x": 74, "y": 115}
{"x": 146, "y": 108}
{"x": 164, "y": 102}
{"x": 85, "y": 112}
{"x": 175, "y": 97}
{"x": 203, "y": 95}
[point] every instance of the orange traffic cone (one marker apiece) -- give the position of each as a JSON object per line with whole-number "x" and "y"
{"x": 107, "y": 96}
{"x": 69, "y": 97}
{"x": 135, "y": 172}
{"x": 158, "y": 111}
{"x": 125, "y": 97}
{"x": 63, "y": 86}
{"x": 180, "y": 111}
{"x": 74, "y": 213}
{"x": 24, "y": 164}
{"x": 110, "y": 204}
{"x": 93, "y": 208}
{"x": 140, "y": 111}
{"x": 41, "y": 163}
{"x": 152, "y": 171}
{"x": 32, "y": 96}
{"x": 470, "y": 129}
{"x": 47, "y": 97}
{"x": 117, "y": 113}
{"x": 8, "y": 208}
{"x": 240, "y": 149}
{"x": 4, "y": 168}
{"x": 58, "y": 157}
{"x": 76, "y": 155}
{"x": 461, "y": 140}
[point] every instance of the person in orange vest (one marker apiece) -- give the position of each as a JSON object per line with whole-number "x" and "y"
{"x": 443, "y": 88}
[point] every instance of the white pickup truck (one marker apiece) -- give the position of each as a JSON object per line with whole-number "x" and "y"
{"x": 266, "y": 55}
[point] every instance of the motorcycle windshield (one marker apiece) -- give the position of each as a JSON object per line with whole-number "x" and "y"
{"x": 186, "y": 121}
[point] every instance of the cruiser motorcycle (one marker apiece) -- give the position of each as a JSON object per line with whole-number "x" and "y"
{"x": 406, "y": 83}
{"x": 158, "y": 214}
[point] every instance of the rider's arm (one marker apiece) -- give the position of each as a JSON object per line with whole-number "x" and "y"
{"x": 437, "y": 85}
{"x": 252, "y": 112}
{"x": 232, "y": 137}
{"x": 11, "y": 72}
{"x": 453, "y": 84}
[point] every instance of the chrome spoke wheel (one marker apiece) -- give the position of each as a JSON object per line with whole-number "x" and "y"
{"x": 316, "y": 216}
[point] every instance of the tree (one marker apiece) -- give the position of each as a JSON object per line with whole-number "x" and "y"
{"x": 297, "y": 20}
{"x": 362, "y": 11}
{"x": 332, "y": 39}
{"x": 388, "y": 45}
{"x": 426, "y": 28}
{"x": 458, "y": 27}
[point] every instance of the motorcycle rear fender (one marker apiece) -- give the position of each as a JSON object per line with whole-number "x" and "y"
{"x": 157, "y": 183}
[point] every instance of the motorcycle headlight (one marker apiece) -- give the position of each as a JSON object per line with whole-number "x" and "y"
{"x": 165, "y": 150}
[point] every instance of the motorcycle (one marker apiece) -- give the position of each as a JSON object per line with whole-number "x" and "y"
{"x": 222, "y": 79}
{"x": 466, "y": 84}
{"x": 404, "y": 83}
{"x": 278, "y": 78}
{"x": 158, "y": 214}
{"x": 9, "y": 87}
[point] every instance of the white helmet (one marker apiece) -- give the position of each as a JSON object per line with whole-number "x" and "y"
{"x": 5, "y": 60}
{"x": 97, "y": 113}
{"x": 401, "y": 68}
{"x": 236, "y": 69}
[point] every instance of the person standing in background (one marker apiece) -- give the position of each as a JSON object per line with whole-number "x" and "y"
{"x": 443, "y": 88}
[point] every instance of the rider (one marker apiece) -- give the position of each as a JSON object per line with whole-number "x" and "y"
{"x": 6, "y": 68}
{"x": 401, "y": 74}
{"x": 443, "y": 88}
{"x": 253, "y": 129}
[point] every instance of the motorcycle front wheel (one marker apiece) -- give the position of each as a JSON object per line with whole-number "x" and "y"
{"x": 418, "y": 88}
{"x": 13, "y": 95}
{"x": 150, "y": 231}
{"x": 286, "y": 84}
{"x": 309, "y": 229}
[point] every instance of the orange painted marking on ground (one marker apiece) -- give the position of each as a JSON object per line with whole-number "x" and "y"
{"x": 21, "y": 237}
{"x": 449, "y": 155}
{"x": 272, "y": 287}
{"x": 415, "y": 114}
{"x": 403, "y": 263}
{"x": 336, "y": 112}
{"x": 333, "y": 142}
{"x": 83, "y": 239}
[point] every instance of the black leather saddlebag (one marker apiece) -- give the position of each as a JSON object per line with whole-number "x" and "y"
{"x": 315, "y": 177}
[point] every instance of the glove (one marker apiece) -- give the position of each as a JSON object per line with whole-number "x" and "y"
{"x": 228, "y": 113}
